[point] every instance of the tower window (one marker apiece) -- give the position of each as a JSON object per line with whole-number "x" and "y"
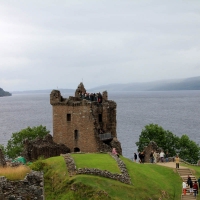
{"x": 68, "y": 117}
{"x": 100, "y": 117}
{"x": 76, "y": 134}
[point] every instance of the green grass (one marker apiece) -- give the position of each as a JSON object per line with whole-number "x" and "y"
{"x": 100, "y": 161}
{"x": 154, "y": 179}
{"x": 148, "y": 181}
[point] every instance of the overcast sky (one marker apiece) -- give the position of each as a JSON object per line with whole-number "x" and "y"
{"x": 49, "y": 44}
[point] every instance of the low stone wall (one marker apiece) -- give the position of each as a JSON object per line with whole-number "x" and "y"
{"x": 71, "y": 167}
{"x": 104, "y": 173}
{"x": 198, "y": 163}
{"x": 123, "y": 177}
{"x": 32, "y": 187}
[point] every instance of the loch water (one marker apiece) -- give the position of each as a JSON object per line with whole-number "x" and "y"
{"x": 176, "y": 111}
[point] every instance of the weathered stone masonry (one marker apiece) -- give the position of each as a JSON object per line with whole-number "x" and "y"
{"x": 77, "y": 122}
{"x": 31, "y": 188}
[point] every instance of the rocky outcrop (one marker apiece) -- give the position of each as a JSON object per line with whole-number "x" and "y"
{"x": 32, "y": 187}
{"x": 43, "y": 147}
{"x": 4, "y": 93}
{"x": 2, "y": 159}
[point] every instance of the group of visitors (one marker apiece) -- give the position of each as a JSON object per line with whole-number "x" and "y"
{"x": 158, "y": 157}
{"x": 91, "y": 96}
{"x": 193, "y": 186}
{"x": 154, "y": 157}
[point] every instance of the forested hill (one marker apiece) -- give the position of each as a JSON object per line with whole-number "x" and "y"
{"x": 4, "y": 93}
{"x": 164, "y": 85}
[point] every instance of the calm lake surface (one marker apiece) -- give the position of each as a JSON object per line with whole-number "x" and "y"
{"x": 176, "y": 111}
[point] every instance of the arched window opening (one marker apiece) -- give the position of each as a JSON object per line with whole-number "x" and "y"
{"x": 76, "y": 149}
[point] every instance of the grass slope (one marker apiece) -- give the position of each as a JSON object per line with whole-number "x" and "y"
{"x": 149, "y": 181}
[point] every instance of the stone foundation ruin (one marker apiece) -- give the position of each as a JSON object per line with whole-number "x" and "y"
{"x": 43, "y": 147}
{"x": 32, "y": 187}
{"x": 2, "y": 159}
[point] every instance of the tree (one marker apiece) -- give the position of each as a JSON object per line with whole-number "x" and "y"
{"x": 15, "y": 145}
{"x": 2, "y": 149}
{"x": 164, "y": 139}
{"x": 188, "y": 150}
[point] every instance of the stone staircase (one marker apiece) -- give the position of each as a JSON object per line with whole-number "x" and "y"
{"x": 184, "y": 172}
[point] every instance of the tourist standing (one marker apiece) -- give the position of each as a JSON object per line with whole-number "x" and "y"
{"x": 135, "y": 157}
{"x": 151, "y": 157}
{"x": 189, "y": 180}
{"x": 177, "y": 160}
{"x": 195, "y": 188}
{"x": 167, "y": 157}
{"x": 139, "y": 155}
{"x": 142, "y": 157}
{"x": 184, "y": 187}
{"x": 162, "y": 156}
{"x": 155, "y": 157}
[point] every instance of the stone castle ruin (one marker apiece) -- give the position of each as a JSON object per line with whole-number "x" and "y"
{"x": 85, "y": 122}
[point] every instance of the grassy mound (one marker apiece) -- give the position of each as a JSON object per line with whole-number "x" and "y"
{"x": 149, "y": 181}
{"x": 100, "y": 161}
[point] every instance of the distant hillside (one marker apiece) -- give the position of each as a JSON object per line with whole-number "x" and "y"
{"x": 163, "y": 85}
{"x": 4, "y": 93}
{"x": 185, "y": 84}
{"x": 43, "y": 91}
{"x": 175, "y": 84}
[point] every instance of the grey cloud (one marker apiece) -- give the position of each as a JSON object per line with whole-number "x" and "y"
{"x": 101, "y": 42}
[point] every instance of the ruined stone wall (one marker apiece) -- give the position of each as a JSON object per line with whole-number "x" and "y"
{"x": 32, "y": 187}
{"x": 2, "y": 159}
{"x": 44, "y": 147}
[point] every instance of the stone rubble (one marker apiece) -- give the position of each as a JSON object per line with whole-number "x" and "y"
{"x": 31, "y": 188}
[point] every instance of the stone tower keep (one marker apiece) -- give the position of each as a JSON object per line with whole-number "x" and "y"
{"x": 84, "y": 122}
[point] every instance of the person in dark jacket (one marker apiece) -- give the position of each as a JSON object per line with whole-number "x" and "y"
{"x": 188, "y": 180}
{"x": 139, "y": 155}
{"x": 195, "y": 188}
{"x": 142, "y": 157}
{"x": 135, "y": 157}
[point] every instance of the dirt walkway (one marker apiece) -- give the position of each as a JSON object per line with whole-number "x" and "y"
{"x": 170, "y": 164}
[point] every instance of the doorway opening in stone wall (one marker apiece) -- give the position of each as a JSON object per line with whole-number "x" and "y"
{"x": 76, "y": 149}
{"x": 100, "y": 117}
